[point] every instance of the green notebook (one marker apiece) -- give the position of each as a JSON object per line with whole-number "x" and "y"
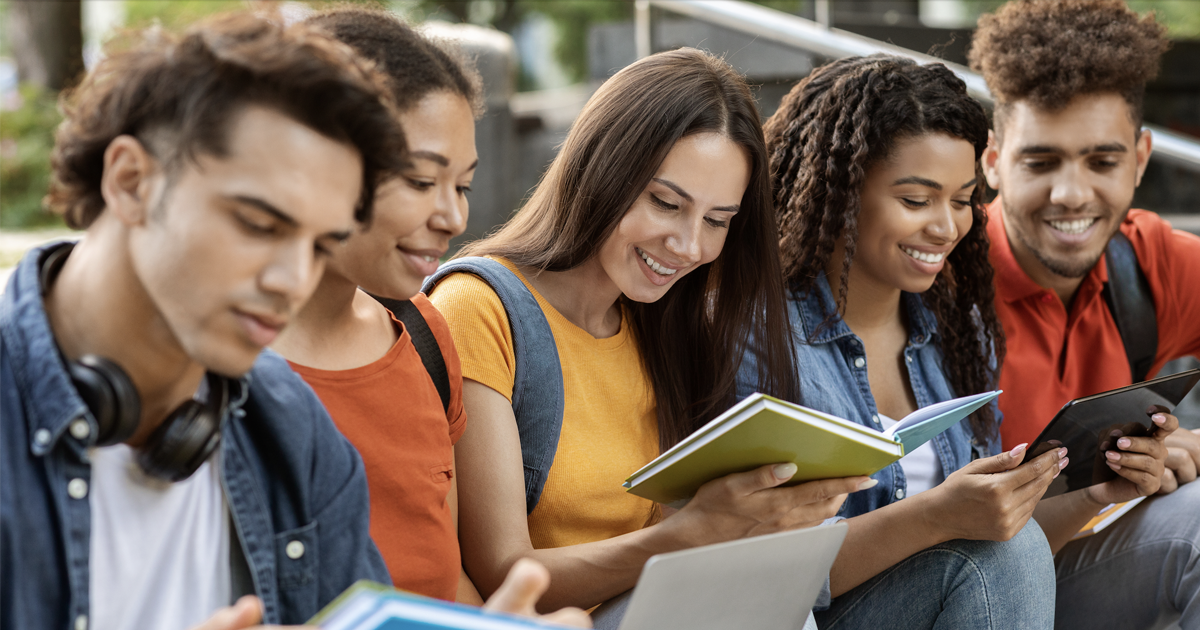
{"x": 763, "y": 430}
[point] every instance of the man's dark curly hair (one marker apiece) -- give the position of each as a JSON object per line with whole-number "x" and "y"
{"x": 178, "y": 95}
{"x": 828, "y": 132}
{"x": 1047, "y": 52}
{"x": 415, "y": 64}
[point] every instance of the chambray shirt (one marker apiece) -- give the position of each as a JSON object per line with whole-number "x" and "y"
{"x": 288, "y": 476}
{"x": 833, "y": 378}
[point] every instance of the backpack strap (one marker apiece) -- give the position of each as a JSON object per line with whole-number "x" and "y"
{"x": 425, "y": 343}
{"x": 537, "y": 397}
{"x": 1127, "y": 294}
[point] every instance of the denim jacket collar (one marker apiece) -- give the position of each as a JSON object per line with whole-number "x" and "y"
{"x": 37, "y": 363}
{"x": 814, "y": 306}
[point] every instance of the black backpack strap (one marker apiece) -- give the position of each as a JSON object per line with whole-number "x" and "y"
{"x": 1128, "y": 296}
{"x": 538, "y": 398}
{"x": 425, "y": 343}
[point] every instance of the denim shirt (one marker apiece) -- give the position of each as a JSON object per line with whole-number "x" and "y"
{"x": 833, "y": 378}
{"x": 287, "y": 474}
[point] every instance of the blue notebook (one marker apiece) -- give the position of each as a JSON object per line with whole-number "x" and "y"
{"x": 370, "y": 606}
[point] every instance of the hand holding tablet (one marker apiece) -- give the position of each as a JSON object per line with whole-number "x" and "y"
{"x": 1107, "y": 432}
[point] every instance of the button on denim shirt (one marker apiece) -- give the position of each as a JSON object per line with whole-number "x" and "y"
{"x": 286, "y": 472}
{"x": 833, "y": 378}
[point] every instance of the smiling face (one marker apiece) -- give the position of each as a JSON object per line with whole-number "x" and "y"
{"x": 680, "y": 220}
{"x": 235, "y": 245}
{"x": 417, "y": 213}
{"x": 916, "y": 206}
{"x": 1067, "y": 179}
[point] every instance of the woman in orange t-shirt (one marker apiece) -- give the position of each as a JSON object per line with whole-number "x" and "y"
{"x": 361, "y": 360}
{"x": 355, "y": 354}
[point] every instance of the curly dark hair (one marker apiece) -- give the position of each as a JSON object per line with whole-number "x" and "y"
{"x": 1049, "y": 51}
{"x": 178, "y": 96}
{"x": 828, "y": 132}
{"x": 415, "y": 64}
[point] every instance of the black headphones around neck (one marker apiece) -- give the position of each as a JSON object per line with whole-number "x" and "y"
{"x": 184, "y": 440}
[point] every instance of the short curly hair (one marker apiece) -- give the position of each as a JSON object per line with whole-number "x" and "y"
{"x": 416, "y": 65}
{"x": 1047, "y": 52}
{"x": 177, "y": 94}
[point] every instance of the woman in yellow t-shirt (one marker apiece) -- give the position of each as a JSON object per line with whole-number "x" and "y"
{"x": 650, "y": 246}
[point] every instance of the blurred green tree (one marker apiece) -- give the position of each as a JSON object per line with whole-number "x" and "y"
{"x": 26, "y": 138}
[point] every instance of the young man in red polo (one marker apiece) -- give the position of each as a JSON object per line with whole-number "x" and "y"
{"x": 1066, "y": 155}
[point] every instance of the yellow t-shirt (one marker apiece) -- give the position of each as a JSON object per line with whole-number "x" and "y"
{"x": 609, "y": 427}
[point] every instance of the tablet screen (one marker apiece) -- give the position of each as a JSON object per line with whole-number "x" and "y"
{"x": 1092, "y": 425}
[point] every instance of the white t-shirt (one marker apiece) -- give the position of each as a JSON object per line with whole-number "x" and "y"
{"x": 921, "y": 467}
{"x": 159, "y": 551}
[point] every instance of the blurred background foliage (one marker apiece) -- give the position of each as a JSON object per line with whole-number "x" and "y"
{"x": 27, "y": 107}
{"x": 26, "y": 138}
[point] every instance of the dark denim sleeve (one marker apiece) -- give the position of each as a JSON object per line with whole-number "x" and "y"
{"x": 317, "y": 489}
{"x": 340, "y": 506}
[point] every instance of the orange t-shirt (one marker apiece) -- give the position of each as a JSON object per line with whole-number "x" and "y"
{"x": 1055, "y": 356}
{"x": 390, "y": 410}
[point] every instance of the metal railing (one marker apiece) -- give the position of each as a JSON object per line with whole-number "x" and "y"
{"x": 797, "y": 32}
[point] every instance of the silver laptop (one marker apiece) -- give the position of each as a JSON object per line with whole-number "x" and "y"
{"x": 763, "y": 583}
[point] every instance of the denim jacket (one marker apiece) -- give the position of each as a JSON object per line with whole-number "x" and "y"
{"x": 833, "y": 378}
{"x": 288, "y": 476}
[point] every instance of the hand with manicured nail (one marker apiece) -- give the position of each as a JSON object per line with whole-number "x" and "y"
{"x": 1140, "y": 462}
{"x": 993, "y": 498}
{"x": 752, "y": 504}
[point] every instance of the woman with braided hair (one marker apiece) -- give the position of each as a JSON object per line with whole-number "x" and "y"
{"x": 875, "y": 171}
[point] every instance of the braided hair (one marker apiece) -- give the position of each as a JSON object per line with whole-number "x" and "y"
{"x": 828, "y": 132}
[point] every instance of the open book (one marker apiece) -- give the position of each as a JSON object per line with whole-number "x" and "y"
{"x": 763, "y": 430}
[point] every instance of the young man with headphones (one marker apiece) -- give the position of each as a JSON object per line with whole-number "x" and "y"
{"x": 1066, "y": 155}
{"x": 156, "y": 465}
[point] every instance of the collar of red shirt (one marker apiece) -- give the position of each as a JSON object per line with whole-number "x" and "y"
{"x": 1012, "y": 283}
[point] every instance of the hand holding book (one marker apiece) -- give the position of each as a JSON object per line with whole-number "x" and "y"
{"x": 763, "y": 430}
{"x": 752, "y": 503}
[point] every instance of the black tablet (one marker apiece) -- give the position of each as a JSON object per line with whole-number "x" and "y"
{"x": 1091, "y": 425}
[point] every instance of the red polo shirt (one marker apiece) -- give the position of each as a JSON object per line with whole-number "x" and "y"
{"x": 1054, "y": 355}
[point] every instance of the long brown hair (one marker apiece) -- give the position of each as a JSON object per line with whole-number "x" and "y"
{"x": 828, "y": 132}
{"x": 692, "y": 340}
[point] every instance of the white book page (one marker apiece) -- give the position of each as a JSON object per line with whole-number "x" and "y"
{"x": 936, "y": 409}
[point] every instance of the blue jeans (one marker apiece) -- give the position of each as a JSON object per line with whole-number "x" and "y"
{"x": 954, "y": 585}
{"x": 1143, "y": 571}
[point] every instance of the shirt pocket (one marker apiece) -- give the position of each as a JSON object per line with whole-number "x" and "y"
{"x": 442, "y": 473}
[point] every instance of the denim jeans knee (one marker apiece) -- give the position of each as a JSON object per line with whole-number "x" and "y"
{"x": 957, "y": 584}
